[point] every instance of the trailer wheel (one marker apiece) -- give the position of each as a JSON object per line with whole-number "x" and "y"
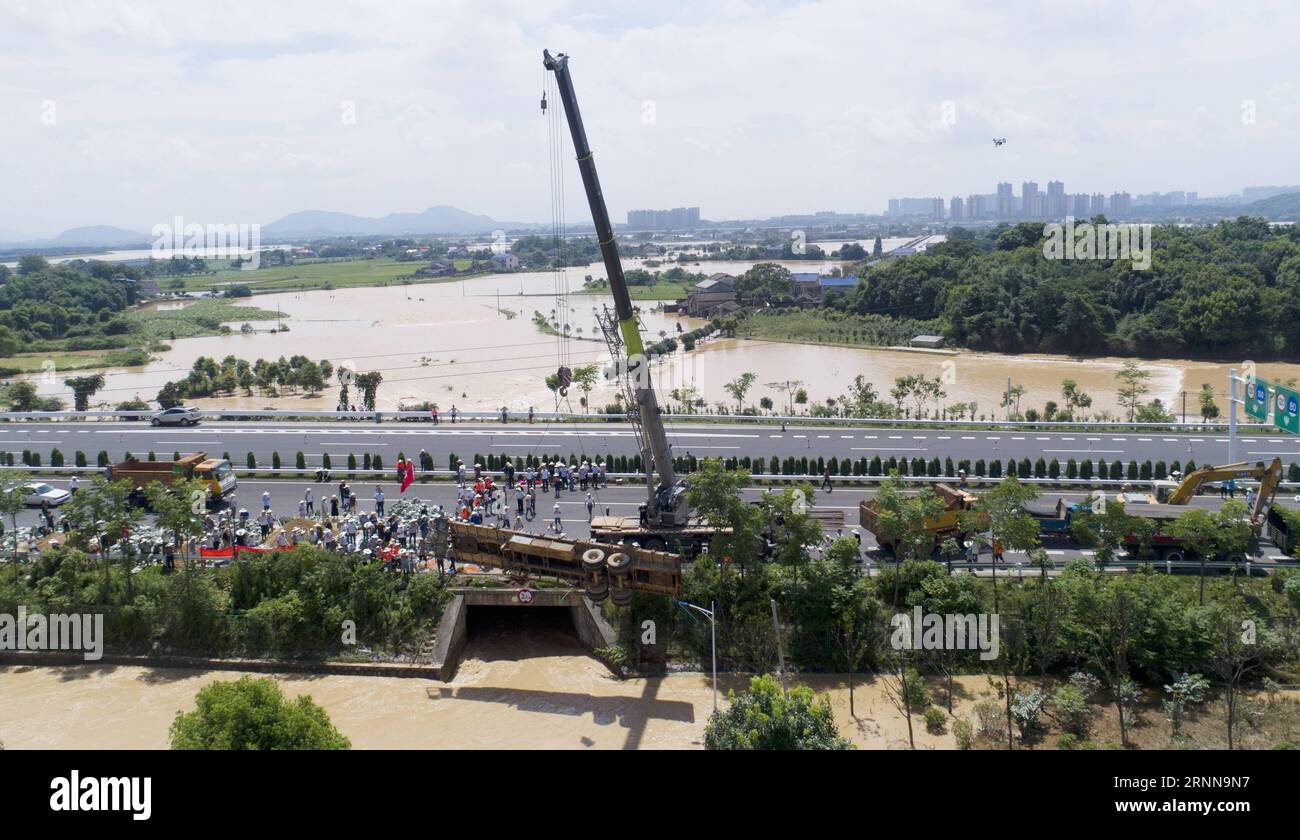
{"x": 1173, "y": 556}
{"x": 621, "y": 597}
{"x": 618, "y": 564}
{"x": 654, "y": 544}
{"x": 593, "y": 560}
{"x": 597, "y": 593}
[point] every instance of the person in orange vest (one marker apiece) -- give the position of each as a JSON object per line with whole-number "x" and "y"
{"x": 997, "y": 551}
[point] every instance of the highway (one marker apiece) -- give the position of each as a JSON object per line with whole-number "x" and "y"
{"x": 622, "y": 500}
{"x": 391, "y": 438}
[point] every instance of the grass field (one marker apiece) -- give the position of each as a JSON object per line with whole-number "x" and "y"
{"x": 202, "y": 317}
{"x": 337, "y": 274}
{"x": 663, "y": 290}
{"x": 64, "y": 362}
{"x": 817, "y": 326}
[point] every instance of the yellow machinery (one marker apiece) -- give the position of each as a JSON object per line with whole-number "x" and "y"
{"x": 1180, "y": 493}
{"x": 946, "y": 524}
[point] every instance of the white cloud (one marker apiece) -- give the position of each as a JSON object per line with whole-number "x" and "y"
{"x": 232, "y": 111}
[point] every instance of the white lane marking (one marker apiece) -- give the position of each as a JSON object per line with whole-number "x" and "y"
{"x": 1084, "y": 450}
{"x": 894, "y": 448}
{"x": 846, "y": 437}
{"x": 967, "y": 437}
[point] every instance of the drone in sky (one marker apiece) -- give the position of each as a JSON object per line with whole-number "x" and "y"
{"x": 999, "y": 141}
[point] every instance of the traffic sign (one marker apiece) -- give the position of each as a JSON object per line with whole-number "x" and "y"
{"x": 1286, "y": 410}
{"x": 525, "y": 596}
{"x": 1257, "y": 399}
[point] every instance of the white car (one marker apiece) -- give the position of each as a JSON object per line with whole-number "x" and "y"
{"x": 176, "y": 416}
{"x": 34, "y": 494}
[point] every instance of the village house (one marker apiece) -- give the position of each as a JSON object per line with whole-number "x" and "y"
{"x": 504, "y": 262}
{"x": 714, "y": 296}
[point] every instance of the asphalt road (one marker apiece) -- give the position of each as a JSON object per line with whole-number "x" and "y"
{"x": 619, "y": 501}
{"x": 391, "y": 438}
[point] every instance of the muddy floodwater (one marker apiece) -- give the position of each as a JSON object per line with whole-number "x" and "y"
{"x": 525, "y": 683}
{"x": 473, "y": 344}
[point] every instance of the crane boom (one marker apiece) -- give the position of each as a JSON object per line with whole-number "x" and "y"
{"x": 664, "y": 504}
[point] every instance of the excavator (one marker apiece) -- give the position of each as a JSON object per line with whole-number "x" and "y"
{"x": 1180, "y": 493}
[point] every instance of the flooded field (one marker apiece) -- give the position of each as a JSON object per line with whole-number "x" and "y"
{"x": 473, "y": 344}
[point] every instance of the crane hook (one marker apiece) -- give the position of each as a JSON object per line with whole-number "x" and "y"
{"x": 543, "y": 102}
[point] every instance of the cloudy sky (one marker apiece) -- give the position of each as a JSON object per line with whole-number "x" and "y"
{"x": 129, "y": 113}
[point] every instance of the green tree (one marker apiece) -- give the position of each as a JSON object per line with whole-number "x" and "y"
{"x": 1132, "y": 387}
{"x": 762, "y": 718}
{"x": 83, "y": 388}
{"x": 740, "y": 386}
{"x": 253, "y": 714}
{"x": 368, "y": 382}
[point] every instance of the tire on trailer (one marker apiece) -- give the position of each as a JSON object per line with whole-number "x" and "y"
{"x": 1173, "y": 555}
{"x": 621, "y": 597}
{"x": 618, "y": 564}
{"x": 598, "y": 592}
{"x": 654, "y": 544}
{"x": 593, "y": 560}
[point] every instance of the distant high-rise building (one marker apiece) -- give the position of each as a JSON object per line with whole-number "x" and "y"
{"x": 936, "y": 209}
{"x": 1098, "y": 203}
{"x": 1250, "y": 194}
{"x": 1079, "y": 204}
{"x": 956, "y": 208}
{"x": 1030, "y": 200}
{"x": 1120, "y": 204}
{"x": 1193, "y": 197}
{"x": 1057, "y": 205}
{"x": 679, "y": 218}
{"x": 1006, "y": 200}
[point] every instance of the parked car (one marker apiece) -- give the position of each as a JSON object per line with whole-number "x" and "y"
{"x": 34, "y": 494}
{"x": 176, "y": 416}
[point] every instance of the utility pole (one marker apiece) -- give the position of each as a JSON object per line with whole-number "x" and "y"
{"x": 780, "y": 649}
{"x": 1232, "y": 421}
{"x": 1184, "y": 406}
{"x": 1008, "y": 399}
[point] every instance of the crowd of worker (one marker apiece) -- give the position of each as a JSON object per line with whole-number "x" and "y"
{"x": 409, "y": 534}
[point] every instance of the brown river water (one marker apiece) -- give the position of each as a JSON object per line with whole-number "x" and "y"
{"x": 454, "y": 344}
{"x": 525, "y": 683}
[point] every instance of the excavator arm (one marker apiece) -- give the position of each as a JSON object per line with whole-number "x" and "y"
{"x": 1268, "y": 476}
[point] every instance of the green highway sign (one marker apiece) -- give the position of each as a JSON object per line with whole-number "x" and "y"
{"x": 1257, "y": 399}
{"x": 1286, "y": 410}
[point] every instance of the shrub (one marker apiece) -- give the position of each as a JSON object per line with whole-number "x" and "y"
{"x": 961, "y": 733}
{"x": 936, "y": 722}
{"x": 1071, "y": 709}
{"x": 1027, "y": 711}
{"x": 990, "y": 717}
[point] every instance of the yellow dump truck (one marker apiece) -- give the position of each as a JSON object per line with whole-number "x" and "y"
{"x": 215, "y": 473}
{"x": 946, "y": 524}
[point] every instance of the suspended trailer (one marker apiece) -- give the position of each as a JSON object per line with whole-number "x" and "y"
{"x": 602, "y": 570}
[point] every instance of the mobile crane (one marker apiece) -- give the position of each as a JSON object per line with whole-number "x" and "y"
{"x": 665, "y": 520}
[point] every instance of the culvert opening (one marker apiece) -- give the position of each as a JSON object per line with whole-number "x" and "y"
{"x": 517, "y": 632}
